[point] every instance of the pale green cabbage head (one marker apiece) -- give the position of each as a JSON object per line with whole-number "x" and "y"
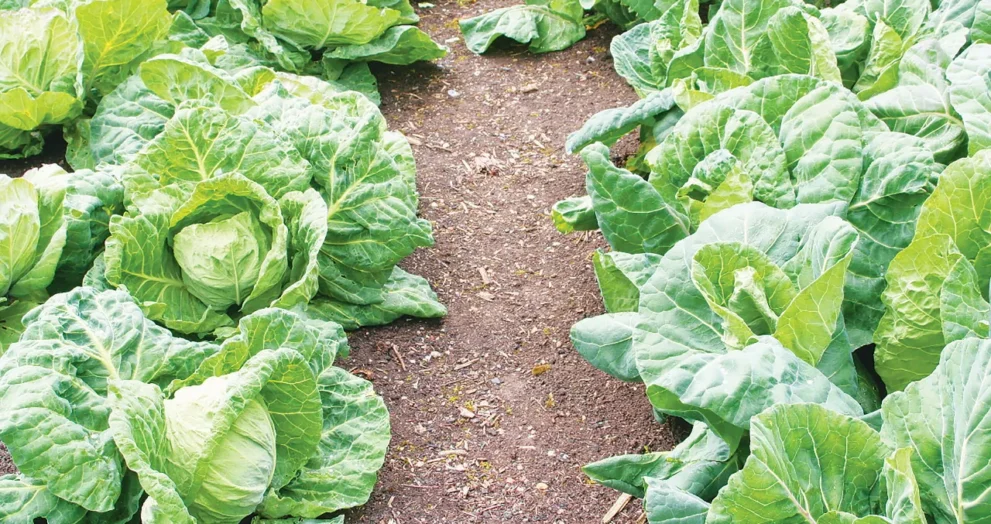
{"x": 235, "y": 466}
{"x": 221, "y": 259}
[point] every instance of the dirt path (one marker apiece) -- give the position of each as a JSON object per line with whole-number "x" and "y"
{"x": 488, "y": 133}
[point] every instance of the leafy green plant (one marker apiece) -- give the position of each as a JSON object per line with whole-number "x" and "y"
{"x": 210, "y": 432}
{"x": 54, "y": 60}
{"x": 53, "y": 225}
{"x": 59, "y": 59}
{"x": 798, "y": 259}
{"x": 252, "y": 189}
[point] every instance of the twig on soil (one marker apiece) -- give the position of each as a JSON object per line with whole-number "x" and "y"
{"x": 395, "y": 351}
{"x": 618, "y": 506}
{"x": 449, "y": 452}
{"x": 442, "y": 148}
{"x": 459, "y": 367}
{"x": 419, "y": 486}
{"x": 490, "y": 508}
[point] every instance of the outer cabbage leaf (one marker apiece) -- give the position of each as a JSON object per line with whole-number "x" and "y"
{"x": 696, "y": 468}
{"x": 320, "y": 24}
{"x": 810, "y": 464}
{"x": 400, "y": 45}
{"x": 546, "y": 25}
{"x": 352, "y": 449}
{"x": 54, "y": 383}
{"x": 950, "y": 245}
{"x": 969, "y": 92}
{"x": 944, "y": 419}
{"x": 403, "y": 294}
{"x": 117, "y": 35}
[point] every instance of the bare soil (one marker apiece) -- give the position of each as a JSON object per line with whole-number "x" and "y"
{"x": 493, "y": 411}
{"x": 488, "y": 133}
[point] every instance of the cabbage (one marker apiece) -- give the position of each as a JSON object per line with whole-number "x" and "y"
{"x": 107, "y": 414}
{"x": 235, "y": 475}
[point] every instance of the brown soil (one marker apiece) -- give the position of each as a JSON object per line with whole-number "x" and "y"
{"x": 488, "y": 133}
{"x": 493, "y": 411}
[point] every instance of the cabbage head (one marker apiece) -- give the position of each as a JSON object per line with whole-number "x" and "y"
{"x": 107, "y": 415}
{"x": 52, "y": 224}
{"x": 228, "y": 248}
{"x": 193, "y": 154}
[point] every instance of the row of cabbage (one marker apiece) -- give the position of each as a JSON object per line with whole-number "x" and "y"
{"x": 171, "y": 310}
{"x": 800, "y": 259}
{"x": 59, "y": 58}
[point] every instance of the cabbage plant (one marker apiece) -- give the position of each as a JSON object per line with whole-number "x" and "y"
{"x": 54, "y": 223}
{"x": 230, "y": 246}
{"x": 182, "y": 431}
{"x": 57, "y": 57}
{"x": 288, "y": 31}
{"x": 797, "y": 260}
{"x": 315, "y": 197}
{"x": 776, "y": 142}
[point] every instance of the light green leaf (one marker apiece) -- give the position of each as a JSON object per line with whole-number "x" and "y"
{"x": 400, "y": 45}
{"x": 353, "y": 443}
{"x": 735, "y": 31}
{"x": 969, "y": 92}
{"x": 795, "y": 42}
{"x": 909, "y": 337}
{"x": 633, "y": 216}
{"x": 805, "y": 461}
{"x": 319, "y": 24}
{"x": 129, "y": 117}
{"x": 540, "y": 23}
{"x": 404, "y": 294}
{"x": 697, "y": 467}
{"x": 116, "y": 36}
{"x": 20, "y": 223}
{"x": 22, "y": 500}
{"x": 880, "y": 70}
{"x": 807, "y": 325}
{"x": 944, "y": 418}
{"x": 574, "y": 214}
{"x": 11, "y": 324}
{"x": 606, "y": 342}
{"x": 620, "y": 277}
{"x": 612, "y": 124}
